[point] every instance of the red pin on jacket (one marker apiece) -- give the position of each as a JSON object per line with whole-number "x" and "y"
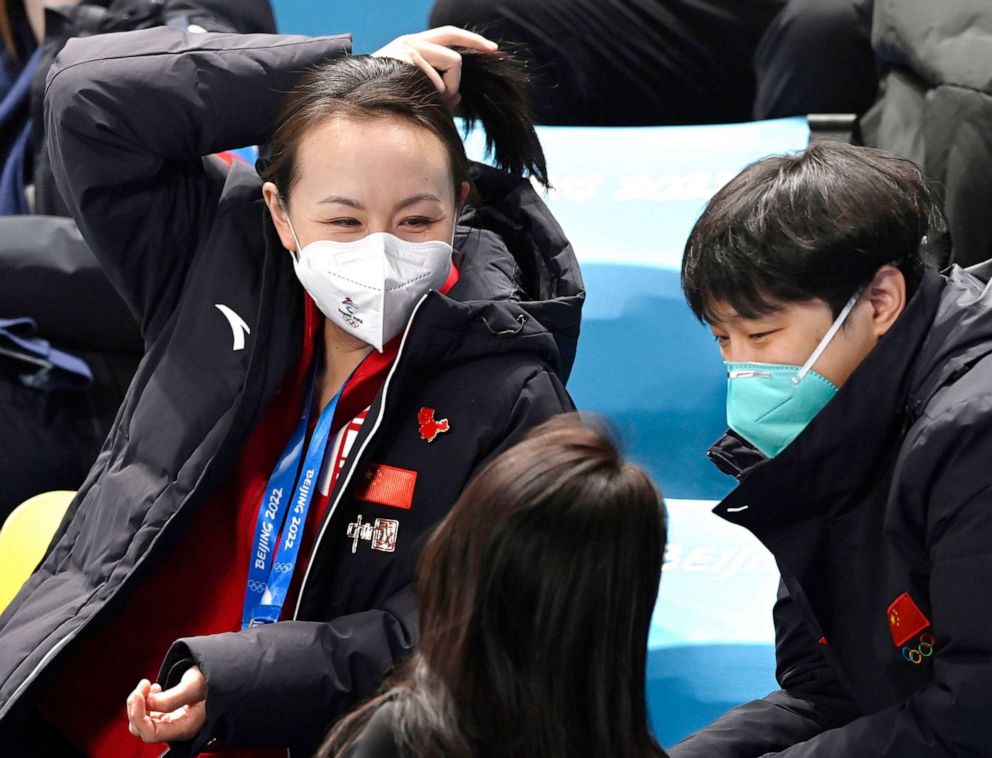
{"x": 429, "y": 428}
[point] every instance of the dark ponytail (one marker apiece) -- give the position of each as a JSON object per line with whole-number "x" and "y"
{"x": 493, "y": 90}
{"x": 495, "y": 94}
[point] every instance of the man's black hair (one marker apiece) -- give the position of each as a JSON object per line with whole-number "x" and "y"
{"x": 811, "y": 225}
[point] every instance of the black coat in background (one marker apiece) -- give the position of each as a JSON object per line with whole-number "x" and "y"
{"x": 935, "y": 107}
{"x": 652, "y": 62}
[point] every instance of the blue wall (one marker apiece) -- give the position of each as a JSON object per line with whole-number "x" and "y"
{"x": 371, "y": 22}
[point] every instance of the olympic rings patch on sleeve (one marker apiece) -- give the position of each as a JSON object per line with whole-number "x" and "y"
{"x": 923, "y": 650}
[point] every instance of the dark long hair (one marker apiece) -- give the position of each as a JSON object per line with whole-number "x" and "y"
{"x": 536, "y": 594}
{"x": 494, "y": 94}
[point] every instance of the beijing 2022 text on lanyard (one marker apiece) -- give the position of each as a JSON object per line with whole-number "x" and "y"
{"x": 269, "y": 575}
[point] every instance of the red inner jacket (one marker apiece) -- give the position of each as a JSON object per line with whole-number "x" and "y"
{"x": 199, "y": 588}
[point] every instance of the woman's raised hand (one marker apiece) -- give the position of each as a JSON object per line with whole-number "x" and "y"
{"x": 174, "y": 715}
{"x": 431, "y": 51}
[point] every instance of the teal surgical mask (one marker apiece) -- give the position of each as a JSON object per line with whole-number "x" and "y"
{"x": 769, "y": 404}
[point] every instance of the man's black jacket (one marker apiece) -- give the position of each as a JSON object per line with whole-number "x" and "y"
{"x": 880, "y": 517}
{"x": 128, "y": 117}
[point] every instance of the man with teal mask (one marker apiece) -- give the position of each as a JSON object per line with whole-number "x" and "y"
{"x": 860, "y": 411}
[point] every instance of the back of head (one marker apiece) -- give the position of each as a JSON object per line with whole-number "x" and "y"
{"x": 536, "y": 595}
{"x": 563, "y": 542}
{"x": 813, "y": 225}
{"x": 493, "y": 93}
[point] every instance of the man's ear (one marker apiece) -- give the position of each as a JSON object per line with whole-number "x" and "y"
{"x": 886, "y": 293}
{"x": 279, "y": 216}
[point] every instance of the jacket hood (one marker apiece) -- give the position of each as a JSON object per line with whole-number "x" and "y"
{"x": 960, "y": 335}
{"x": 519, "y": 283}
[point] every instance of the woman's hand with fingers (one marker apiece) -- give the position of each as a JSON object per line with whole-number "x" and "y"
{"x": 171, "y": 715}
{"x": 431, "y": 52}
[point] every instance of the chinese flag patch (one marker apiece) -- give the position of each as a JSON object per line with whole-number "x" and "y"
{"x": 906, "y": 620}
{"x": 387, "y": 485}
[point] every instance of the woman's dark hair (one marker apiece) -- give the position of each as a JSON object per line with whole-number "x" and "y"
{"x": 811, "y": 225}
{"x": 536, "y": 595}
{"x": 493, "y": 93}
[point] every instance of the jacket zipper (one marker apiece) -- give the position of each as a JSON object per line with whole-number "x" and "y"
{"x": 358, "y": 456}
{"x": 725, "y": 463}
{"x": 354, "y": 466}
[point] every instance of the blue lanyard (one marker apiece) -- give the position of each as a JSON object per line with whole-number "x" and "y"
{"x": 271, "y": 570}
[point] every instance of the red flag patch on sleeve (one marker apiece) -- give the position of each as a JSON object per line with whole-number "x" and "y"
{"x": 387, "y": 485}
{"x": 906, "y": 620}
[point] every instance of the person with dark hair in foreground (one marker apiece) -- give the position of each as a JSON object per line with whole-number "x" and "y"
{"x": 334, "y": 349}
{"x": 859, "y": 402}
{"x": 536, "y": 594}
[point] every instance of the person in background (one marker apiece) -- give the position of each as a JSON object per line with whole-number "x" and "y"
{"x": 935, "y": 107}
{"x": 653, "y": 62}
{"x": 536, "y": 594}
{"x": 859, "y": 402}
{"x": 69, "y": 345}
{"x": 330, "y": 358}
{"x": 816, "y": 57}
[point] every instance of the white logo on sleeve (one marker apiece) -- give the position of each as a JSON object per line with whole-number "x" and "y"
{"x": 238, "y": 326}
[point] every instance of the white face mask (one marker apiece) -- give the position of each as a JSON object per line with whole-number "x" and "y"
{"x": 370, "y": 287}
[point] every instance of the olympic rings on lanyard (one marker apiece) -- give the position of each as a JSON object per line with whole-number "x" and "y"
{"x": 920, "y": 653}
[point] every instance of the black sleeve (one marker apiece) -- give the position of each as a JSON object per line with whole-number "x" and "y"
{"x": 128, "y": 117}
{"x": 811, "y": 700}
{"x": 541, "y": 397}
{"x": 948, "y": 466}
{"x": 283, "y": 685}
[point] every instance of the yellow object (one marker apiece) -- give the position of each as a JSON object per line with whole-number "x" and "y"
{"x": 25, "y": 537}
